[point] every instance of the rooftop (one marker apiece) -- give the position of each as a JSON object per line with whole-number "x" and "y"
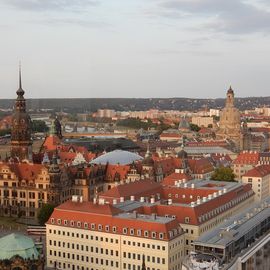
{"x": 117, "y": 157}
{"x": 236, "y": 226}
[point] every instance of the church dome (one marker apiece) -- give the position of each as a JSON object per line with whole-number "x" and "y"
{"x": 17, "y": 244}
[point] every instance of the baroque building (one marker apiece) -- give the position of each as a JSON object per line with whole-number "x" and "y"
{"x": 21, "y": 142}
{"x": 230, "y": 125}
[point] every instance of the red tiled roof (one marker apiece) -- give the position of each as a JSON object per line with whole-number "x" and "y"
{"x": 24, "y": 171}
{"x": 106, "y": 215}
{"x": 207, "y": 143}
{"x": 246, "y": 157}
{"x": 259, "y": 171}
{"x": 170, "y": 179}
{"x": 138, "y": 189}
{"x": 193, "y": 213}
{"x": 121, "y": 170}
{"x": 200, "y": 166}
{"x": 51, "y": 143}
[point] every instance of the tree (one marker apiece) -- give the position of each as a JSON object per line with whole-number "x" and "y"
{"x": 4, "y": 132}
{"x": 44, "y": 213}
{"x": 39, "y": 126}
{"x": 223, "y": 174}
{"x": 194, "y": 127}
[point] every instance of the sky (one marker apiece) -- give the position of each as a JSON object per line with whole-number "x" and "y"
{"x": 135, "y": 48}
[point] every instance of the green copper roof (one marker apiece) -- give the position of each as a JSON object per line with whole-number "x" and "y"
{"x": 17, "y": 244}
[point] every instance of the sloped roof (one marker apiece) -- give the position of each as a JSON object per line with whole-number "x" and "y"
{"x": 259, "y": 171}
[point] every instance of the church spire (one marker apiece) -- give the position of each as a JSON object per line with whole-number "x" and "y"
{"x": 20, "y": 91}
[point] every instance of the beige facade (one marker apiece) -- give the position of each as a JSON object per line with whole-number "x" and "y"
{"x": 230, "y": 124}
{"x": 23, "y": 195}
{"x": 202, "y": 121}
{"x": 260, "y": 186}
{"x": 84, "y": 249}
{"x": 192, "y": 231}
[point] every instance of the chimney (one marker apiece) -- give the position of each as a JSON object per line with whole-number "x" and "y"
{"x": 132, "y": 198}
{"x": 114, "y": 201}
{"x": 192, "y": 185}
{"x": 204, "y": 199}
{"x": 152, "y": 200}
{"x": 169, "y": 201}
{"x": 192, "y": 204}
{"x": 142, "y": 199}
{"x": 122, "y": 199}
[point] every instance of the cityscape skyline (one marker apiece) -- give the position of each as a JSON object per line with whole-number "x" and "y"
{"x": 66, "y": 44}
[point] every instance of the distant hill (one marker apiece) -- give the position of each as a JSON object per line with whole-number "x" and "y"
{"x": 134, "y": 104}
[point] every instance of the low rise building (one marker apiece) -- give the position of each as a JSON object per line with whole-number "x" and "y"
{"x": 242, "y": 242}
{"x": 259, "y": 179}
{"x": 87, "y": 236}
{"x": 198, "y": 205}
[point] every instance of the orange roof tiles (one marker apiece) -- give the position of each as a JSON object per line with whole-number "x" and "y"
{"x": 259, "y": 171}
{"x": 108, "y": 219}
{"x": 170, "y": 179}
{"x": 138, "y": 189}
{"x": 120, "y": 170}
{"x": 24, "y": 171}
{"x": 246, "y": 157}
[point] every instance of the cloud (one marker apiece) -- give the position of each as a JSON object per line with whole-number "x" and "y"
{"x": 44, "y": 5}
{"x": 227, "y": 16}
{"x": 74, "y": 21}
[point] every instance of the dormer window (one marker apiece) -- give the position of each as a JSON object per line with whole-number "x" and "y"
{"x": 107, "y": 228}
{"x": 52, "y": 220}
{"x": 114, "y": 229}
{"x": 99, "y": 227}
{"x": 139, "y": 232}
{"x": 131, "y": 231}
{"x": 187, "y": 220}
{"x": 161, "y": 235}
{"x": 65, "y": 222}
{"x": 79, "y": 224}
{"x": 85, "y": 225}
{"x": 92, "y": 226}
{"x": 146, "y": 234}
{"x": 154, "y": 234}
{"x": 125, "y": 230}
{"x": 72, "y": 223}
{"x": 59, "y": 221}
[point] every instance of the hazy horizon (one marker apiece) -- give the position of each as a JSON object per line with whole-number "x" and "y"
{"x": 135, "y": 49}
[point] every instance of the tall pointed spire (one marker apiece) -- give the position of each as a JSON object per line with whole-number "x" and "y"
{"x": 20, "y": 75}
{"x": 20, "y": 91}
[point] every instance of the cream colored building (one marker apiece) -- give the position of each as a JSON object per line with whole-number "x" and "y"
{"x": 202, "y": 121}
{"x": 25, "y": 187}
{"x": 86, "y": 236}
{"x": 259, "y": 178}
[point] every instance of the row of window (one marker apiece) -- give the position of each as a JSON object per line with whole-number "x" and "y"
{"x": 114, "y": 229}
{"x": 224, "y": 207}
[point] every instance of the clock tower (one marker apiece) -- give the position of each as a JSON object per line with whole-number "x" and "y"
{"x": 21, "y": 142}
